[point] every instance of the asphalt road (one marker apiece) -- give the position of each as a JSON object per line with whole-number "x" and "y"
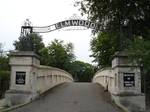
{"x": 72, "y": 97}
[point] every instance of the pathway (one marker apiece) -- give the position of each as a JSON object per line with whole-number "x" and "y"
{"x": 72, "y": 97}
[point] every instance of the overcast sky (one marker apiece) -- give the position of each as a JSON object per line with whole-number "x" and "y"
{"x": 42, "y": 13}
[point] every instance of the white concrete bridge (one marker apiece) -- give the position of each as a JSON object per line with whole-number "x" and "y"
{"x": 30, "y": 80}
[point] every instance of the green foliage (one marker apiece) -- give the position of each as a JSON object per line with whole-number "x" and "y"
{"x": 4, "y": 68}
{"x": 139, "y": 50}
{"x": 32, "y": 42}
{"x": 60, "y": 55}
{"x": 103, "y": 47}
{"x": 129, "y": 17}
{"x": 4, "y": 60}
{"x": 4, "y": 75}
{"x": 4, "y": 63}
{"x": 57, "y": 54}
{"x": 4, "y": 82}
{"x": 82, "y": 72}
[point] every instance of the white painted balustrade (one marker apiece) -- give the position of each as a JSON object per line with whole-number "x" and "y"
{"x": 48, "y": 77}
{"x": 106, "y": 78}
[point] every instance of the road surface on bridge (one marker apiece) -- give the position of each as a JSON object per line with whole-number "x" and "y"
{"x": 72, "y": 97}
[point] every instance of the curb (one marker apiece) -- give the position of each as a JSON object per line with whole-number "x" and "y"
{"x": 121, "y": 106}
{"x": 14, "y": 107}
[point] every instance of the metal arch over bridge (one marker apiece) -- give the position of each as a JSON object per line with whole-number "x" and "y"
{"x": 67, "y": 23}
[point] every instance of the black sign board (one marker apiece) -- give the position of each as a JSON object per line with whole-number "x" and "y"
{"x": 129, "y": 79}
{"x": 20, "y": 78}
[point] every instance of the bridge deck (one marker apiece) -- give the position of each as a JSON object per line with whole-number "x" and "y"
{"x": 72, "y": 97}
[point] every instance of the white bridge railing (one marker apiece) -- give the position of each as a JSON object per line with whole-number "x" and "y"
{"x": 105, "y": 78}
{"x": 48, "y": 77}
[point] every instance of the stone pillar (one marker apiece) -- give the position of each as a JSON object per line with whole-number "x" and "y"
{"x": 127, "y": 87}
{"x": 23, "y": 77}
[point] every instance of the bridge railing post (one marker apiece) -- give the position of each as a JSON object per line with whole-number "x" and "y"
{"x": 29, "y": 78}
{"x": 127, "y": 87}
{"x": 23, "y": 77}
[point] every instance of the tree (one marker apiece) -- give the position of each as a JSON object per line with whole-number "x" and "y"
{"x": 4, "y": 64}
{"x": 82, "y": 72}
{"x": 103, "y": 47}
{"x": 58, "y": 54}
{"x": 127, "y": 17}
{"x": 31, "y": 42}
{"x": 4, "y": 59}
{"x": 4, "y": 71}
